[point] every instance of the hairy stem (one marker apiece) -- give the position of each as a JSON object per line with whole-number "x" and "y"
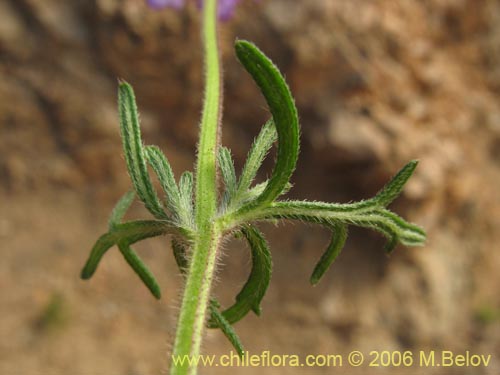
{"x": 206, "y": 194}
{"x": 202, "y": 266}
{"x": 195, "y": 301}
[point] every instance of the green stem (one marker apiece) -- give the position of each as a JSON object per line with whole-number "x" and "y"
{"x": 202, "y": 266}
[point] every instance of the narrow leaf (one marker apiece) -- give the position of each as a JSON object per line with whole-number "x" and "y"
{"x": 392, "y": 226}
{"x": 226, "y": 166}
{"x": 186, "y": 191}
{"x": 391, "y": 244}
{"x": 226, "y": 328}
{"x": 130, "y": 256}
{"x": 252, "y": 293}
{"x": 380, "y": 219}
{"x": 259, "y": 188}
{"x": 284, "y": 112}
{"x": 180, "y": 255}
{"x": 134, "y": 152}
{"x": 140, "y": 269}
{"x": 129, "y": 232}
{"x": 256, "y": 155}
{"x": 339, "y": 236}
{"x": 121, "y": 209}
{"x": 163, "y": 170}
{"x": 408, "y": 233}
{"x": 394, "y": 187}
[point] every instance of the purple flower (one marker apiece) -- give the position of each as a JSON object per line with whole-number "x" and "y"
{"x": 225, "y": 7}
{"x": 160, "y": 4}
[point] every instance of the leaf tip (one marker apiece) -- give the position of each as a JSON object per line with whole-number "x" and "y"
{"x": 412, "y": 164}
{"x": 257, "y": 310}
{"x": 239, "y": 43}
{"x": 122, "y": 82}
{"x": 86, "y": 273}
{"x": 156, "y": 293}
{"x": 315, "y": 278}
{"x": 391, "y": 245}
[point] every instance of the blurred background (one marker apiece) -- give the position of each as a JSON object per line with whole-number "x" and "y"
{"x": 377, "y": 83}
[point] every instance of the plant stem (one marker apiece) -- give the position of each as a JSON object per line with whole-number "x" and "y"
{"x": 202, "y": 266}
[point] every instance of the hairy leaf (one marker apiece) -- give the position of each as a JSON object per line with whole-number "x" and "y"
{"x": 121, "y": 209}
{"x": 129, "y": 233}
{"x": 186, "y": 191}
{"x": 226, "y": 328}
{"x": 257, "y": 190}
{"x": 380, "y": 219}
{"x": 390, "y": 224}
{"x": 226, "y": 165}
{"x": 284, "y": 112}
{"x": 339, "y": 236}
{"x": 250, "y": 296}
{"x": 394, "y": 187}
{"x": 134, "y": 151}
{"x": 130, "y": 256}
{"x": 256, "y": 156}
{"x": 163, "y": 170}
{"x": 136, "y": 263}
{"x": 180, "y": 255}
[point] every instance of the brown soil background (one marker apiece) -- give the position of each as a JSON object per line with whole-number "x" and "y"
{"x": 377, "y": 83}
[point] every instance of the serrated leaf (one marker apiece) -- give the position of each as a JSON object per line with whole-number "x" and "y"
{"x": 394, "y": 187}
{"x": 258, "y": 152}
{"x": 163, "y": 170}
{"x": 129, "y": 233}
{"x": 284, "y": 112}
{"x": 134, "y": 151}
{"x": 250, "y": 296}
{"x": 339, "y": 236}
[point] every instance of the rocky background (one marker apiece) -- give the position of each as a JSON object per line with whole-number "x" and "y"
{"x": 377, "y": 83}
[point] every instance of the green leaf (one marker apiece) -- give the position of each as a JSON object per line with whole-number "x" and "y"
{"x": 130, "y": 256}
{"x": 129, "y": 233}
{"x": 163, "y": 170}
{"x": 257, "y": 190}
{"x": 186, "y": 190}
{"x": 134, "y": 152}
{"x": 314, "y": 212}
{"x": 284, "y": 112}
{"x": 339, "y": 236}
{"x": 180, "y": 255}
{"x": 390, "y": 224}
{"x": 136, "y": 263}
{"x": 394, "y": 187}
{"x": 226, "y": 166}
{"x": 226, "y": 328}
{"x": 256, "y": 156}
{"x": 391, "y": 244}
{"x": 380, "y": 219}
{"x": 252, "y": 293}
{"x": 121, "y": 209}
